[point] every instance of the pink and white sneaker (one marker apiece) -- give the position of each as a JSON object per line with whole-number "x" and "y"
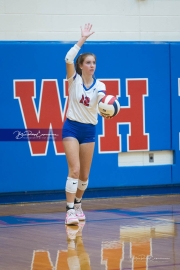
{"x": 71, "y": 218}
{"x": 79, "y": 212}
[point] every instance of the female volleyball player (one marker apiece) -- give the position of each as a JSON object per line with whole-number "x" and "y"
{"x": 80, "y": 126}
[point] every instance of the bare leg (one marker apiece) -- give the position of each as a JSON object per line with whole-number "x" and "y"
{"x": 71, "y": 148}
{"x": 85, "y": 157}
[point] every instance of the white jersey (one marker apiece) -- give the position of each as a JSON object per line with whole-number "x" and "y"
{"x": 82, "y": 105}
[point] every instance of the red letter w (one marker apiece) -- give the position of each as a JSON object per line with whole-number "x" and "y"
{"x": 48, "y": 116}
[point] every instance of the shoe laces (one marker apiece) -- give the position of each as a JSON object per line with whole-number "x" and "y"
{"x": 71, "y": 212}
{"x": 78, "y": 208}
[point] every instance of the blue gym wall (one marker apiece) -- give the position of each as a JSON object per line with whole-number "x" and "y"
{"x": 20, "y": 171}
{"x": 175, "y": 109}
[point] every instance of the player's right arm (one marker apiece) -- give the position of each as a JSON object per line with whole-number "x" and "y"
{"x": 72, "y": 53}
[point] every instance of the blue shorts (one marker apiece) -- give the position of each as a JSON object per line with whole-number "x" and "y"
{"x": 84, "y": 133}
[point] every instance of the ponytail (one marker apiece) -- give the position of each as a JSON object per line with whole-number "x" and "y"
{"x": 77, "y": 65}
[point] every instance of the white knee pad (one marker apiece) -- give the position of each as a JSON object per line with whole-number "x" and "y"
{"x": 71, "y": 185}
{"x": 82, "y": 185}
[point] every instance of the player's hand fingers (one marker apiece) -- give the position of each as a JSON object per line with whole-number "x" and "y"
{"x": 86, "y": 31}
{"x": 106, "y": 116}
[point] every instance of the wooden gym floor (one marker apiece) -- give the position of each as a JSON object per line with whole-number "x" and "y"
{"x": 119, "y": 233}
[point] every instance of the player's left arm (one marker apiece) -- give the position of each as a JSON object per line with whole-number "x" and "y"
{"x": 101, "y": 90}
{"x": 101, "y": 94}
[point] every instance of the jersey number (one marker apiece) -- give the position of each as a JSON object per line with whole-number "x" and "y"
{"x": 85, "y": 100}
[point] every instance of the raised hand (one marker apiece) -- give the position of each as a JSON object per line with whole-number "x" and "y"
{"x": 86, "y": 31}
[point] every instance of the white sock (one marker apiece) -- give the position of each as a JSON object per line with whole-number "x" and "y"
{"x": 78, "y": 200}
{"x": 70, "y": 205}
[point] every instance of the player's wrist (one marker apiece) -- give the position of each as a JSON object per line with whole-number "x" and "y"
{"x": 84, "y": 37}
{"x": 81, "y": 41}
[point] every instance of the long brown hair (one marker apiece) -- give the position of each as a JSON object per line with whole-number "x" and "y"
{"x": 80, "y": 60}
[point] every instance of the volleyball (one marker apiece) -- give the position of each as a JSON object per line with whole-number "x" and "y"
{"x": 109, "y": 106}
